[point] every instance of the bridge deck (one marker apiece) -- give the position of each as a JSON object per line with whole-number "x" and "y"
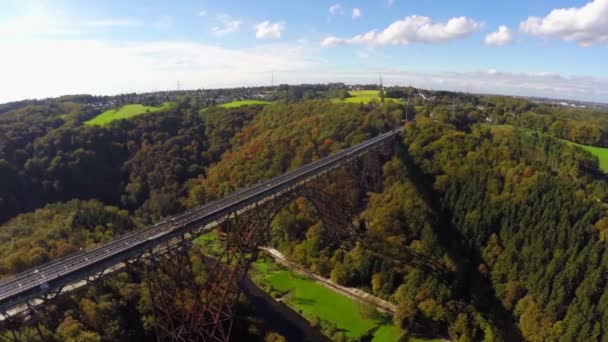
{"x": 74, "y": 268}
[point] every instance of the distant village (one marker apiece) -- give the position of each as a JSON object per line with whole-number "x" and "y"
{"x": 212, "y": 97}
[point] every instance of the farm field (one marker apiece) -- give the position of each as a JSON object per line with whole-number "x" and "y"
{"x": 318, "y": 303}
{"x": 125, "y": 112}
{"x": 241, "y": 103}
{"x": 362, "y": 96}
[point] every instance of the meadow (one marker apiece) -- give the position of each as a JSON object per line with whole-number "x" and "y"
{"x": 125, "y": 112}
{"x": 241, "y": 103}
{"x": 601, "y": 153}
{"x": 331, "y": 310}
{"x": 362, "y": 96}
{"x": 320, "y": 304}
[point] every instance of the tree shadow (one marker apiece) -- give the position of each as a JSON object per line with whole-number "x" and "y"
{"x": 369, "y": 335}
{"x": 303, "y": 301}
{"x": 467, "y": 282}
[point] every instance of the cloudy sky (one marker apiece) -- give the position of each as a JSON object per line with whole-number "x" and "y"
{"x": 554, "y": 48}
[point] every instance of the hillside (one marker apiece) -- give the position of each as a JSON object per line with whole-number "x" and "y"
{"x": 241, "y": 103}
{"x": 363, "y": 96}
{"x": 147, "y": 168}
{"x": 511, "y": 224}
{"x": 125, "y": 112}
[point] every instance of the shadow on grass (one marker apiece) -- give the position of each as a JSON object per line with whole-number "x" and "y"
{"x": 303, "y": 301}
{"x": 369, "y": 335}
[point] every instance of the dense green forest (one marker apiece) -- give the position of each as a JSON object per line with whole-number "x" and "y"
{"x": 580, "y": 125}
{"x": 47, "y": 155}
{"x": 131, "y": 173}
{"x": 478, "y": 233}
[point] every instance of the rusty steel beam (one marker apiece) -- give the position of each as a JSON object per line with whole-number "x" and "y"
{"x": 185, "y": 310}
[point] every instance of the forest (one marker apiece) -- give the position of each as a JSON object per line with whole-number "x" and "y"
{"x": 510, "y": 221}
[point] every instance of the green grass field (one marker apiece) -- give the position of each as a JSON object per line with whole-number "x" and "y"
{"x": 600, "y": 152}
{"x": 210, "y": 244}
{"x": 125, "y": 112}
{"x": 312, "y": 299}
{"x": 236, "y": 104}
{"x": 363, "y": 96}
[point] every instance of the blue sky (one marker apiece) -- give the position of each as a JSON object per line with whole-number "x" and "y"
{"x": 541, "y": 48}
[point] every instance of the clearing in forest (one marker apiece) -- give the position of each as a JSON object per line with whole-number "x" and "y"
{"x": 601, "y": 153}
{"x": 241, "y": 103}
{"x": 331, "y": 310}
{"x": 125, "y": 112}
{"x": 363, "y": 96}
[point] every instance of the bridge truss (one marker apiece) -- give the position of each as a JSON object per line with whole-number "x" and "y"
{"x": 185, "y": 309}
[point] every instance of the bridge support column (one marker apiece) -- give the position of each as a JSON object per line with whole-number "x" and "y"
{"x": 24, "y": 327}
{"x": 173, "y": 290}
{"x": 186, "y": 310}
{"x": 336, "y": 201}
{"x": 244, "y": 235}
{"x": 371, "y": 173}
{"x": 371, "y": 170}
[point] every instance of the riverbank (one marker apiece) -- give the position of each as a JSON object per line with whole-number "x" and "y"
{"x": 354, "y": 293}
{"x": 284, "y": 292}
{"x": 339, "y": 317}
{"x": 280, "y": 317}
{"x": 342, "y": 313}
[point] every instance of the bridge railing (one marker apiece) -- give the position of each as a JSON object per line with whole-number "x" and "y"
{"x": 77, "y": 267}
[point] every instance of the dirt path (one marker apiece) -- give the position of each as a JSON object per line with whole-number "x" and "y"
{"x": 362, "y": 296}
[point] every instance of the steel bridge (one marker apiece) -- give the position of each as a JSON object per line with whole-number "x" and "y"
{"x": 31, "y": 288}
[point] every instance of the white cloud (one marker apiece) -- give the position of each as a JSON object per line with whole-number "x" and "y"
{"x": 488, "y": 82}
{"x": 499, "y": 38}
{"x": 587, "y": 25}
{"x": 202, "y": 13}
{"x": 266, "y": 29}
{"x": 164, "y": 22}
{"x": 96, "y": 67}
{"x": 412, "y": 29}
{"x": 332, "y": 41}
{"x": 44, "y": 24}
{"x": 113, "y": 23}
{"x": 336, "y": 9}
{"x": 357, "y": 13}
{"x": 530, "y": 84}
{"x": 88, "y": 66}
{"x": 227, "y": 25}
{"x": 37, "y": 20}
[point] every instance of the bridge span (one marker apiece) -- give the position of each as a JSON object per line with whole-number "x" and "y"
{"x": 26, "y": 289}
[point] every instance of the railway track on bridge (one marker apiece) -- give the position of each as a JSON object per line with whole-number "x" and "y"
{"x": 24, "y": 289}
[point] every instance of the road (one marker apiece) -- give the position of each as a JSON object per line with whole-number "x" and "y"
{"x": 72, "y": 269}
